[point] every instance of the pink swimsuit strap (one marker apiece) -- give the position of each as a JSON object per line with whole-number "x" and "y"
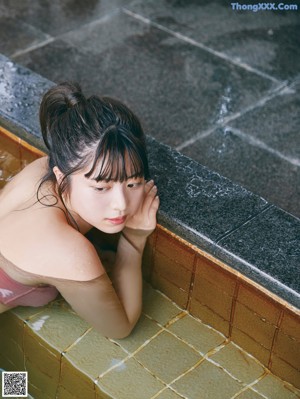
{"x": 13, "y": 293}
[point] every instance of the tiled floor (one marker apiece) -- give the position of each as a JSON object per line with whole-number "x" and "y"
{"x": 170, "y": 355}
{"x": 219, "y": 85}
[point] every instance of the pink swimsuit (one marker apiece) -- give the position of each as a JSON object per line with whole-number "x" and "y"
{"x": 13, "y": 293}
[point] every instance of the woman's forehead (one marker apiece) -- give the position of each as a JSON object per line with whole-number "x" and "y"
{"x": 118, "y": 168}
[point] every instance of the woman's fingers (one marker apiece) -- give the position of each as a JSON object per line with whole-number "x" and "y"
{"x": 149, "y": 197}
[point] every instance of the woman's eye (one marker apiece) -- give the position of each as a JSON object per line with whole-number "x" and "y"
{"x": 133, "y": 185}
{"x": 101, "y": 189}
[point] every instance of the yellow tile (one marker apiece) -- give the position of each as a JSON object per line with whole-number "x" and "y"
{"x": 202, "y": 337}
{"x": 37, "y": 393}
{"x": 167, "y": 357}
{"x": 274, "y": 388}
{"x": 157, "y": 306}
{"x": 7, "y": 364}
{"x": 168, "y": 394}
{"x": 209, "y": 317}
{"x": 58, "y": 327}
{"x": 207, "y": 381}
{"x": 254, "y": 325}
{"x": 93, "y": 354}
{"x": 45, "y": 381}
{"x": 75, "y": 382}
{"x": 291, "y": 325}
{"x": 143, "y": 331}
{"x": 26, "y": 312}
{"x": 259, "y": 303}
{"x": 38, "y": 352}
{"x": 216, "y": 275}
{"x": 175, "y": 293}
{"x": 238, "y": 363}
{"x": 288, "y": 349}
{"x": 285, "y": 371}
{"x": 11, "y": 327}
{"x": 249, "y": 394}
{"x": 177, "y": 273}
{"x": 254, "y": 348}
{"x": 128, "y": 381}
{"x": 11, "y": 338}
{"x": 62, "y": 393}
{"x": 175, "y": 250}
{"x": 214, "y": 288}
{"x": 12, "y": 351}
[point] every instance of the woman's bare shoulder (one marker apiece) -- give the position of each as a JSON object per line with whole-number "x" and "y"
{"x": 52, "y": 249}
{"x": 69, "y": 255}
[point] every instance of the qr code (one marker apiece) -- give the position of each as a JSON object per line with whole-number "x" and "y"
{"x": 14, "y": 384}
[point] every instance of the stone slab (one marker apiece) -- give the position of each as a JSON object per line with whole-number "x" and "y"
{"x": 177, "y": 89}
{"x": 267, "y": 41}
{"x": 254, "y": 165}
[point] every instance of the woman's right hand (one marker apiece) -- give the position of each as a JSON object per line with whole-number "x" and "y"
{"x": 144, "y": 221}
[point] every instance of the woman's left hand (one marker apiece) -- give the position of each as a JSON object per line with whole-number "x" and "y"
{"x": 144, "y": 221}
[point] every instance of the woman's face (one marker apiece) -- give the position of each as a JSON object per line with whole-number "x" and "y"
{"x": 104, "y": 205}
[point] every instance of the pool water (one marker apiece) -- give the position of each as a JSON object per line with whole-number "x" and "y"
{"x": 15, "y": 154}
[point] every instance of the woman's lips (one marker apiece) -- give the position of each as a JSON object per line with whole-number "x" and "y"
{"x": 118, "y": 220}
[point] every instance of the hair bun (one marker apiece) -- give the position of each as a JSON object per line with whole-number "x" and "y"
{"x": 72, "y": 93}
{"x": 55, "y": 103}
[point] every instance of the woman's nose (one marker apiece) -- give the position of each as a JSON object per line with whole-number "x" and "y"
{"x": 119, "y": 201}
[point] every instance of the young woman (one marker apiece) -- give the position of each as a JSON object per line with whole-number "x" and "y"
{"x": 94, "y": 176}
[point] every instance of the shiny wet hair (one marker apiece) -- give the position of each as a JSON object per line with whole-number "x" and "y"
{"x": 97, "y": 131}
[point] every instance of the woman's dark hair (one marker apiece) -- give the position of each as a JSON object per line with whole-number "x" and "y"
{"x": 100, "y": 131}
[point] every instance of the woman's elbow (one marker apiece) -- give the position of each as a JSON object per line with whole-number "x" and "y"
{"x": 121, "y": 333}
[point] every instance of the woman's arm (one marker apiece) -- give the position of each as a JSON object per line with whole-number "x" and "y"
{"x": 127, "y": 274}
{"x": 113, "y": 307}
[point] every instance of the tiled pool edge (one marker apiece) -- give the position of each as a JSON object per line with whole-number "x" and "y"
{"x": 69, "y": 360}
{"x": 197, "y": 204}
{"x": 180, "y": 179}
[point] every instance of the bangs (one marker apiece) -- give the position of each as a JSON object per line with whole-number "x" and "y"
{"x": 118, "y": 157}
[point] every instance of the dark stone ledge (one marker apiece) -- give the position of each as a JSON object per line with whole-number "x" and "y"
{"x": 208, "y": 210}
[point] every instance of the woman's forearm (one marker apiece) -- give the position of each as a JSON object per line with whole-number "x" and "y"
{"x": 127, "y": 274}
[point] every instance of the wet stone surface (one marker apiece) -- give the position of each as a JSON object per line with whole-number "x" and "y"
{"x": 228, "y": 152}
{"x": 17, "y": 36}
{"x": 20, "y": 95}
{"x": 55, "y": 16}
{"x": 185, "y": 67}
{"x": 276, "y": 123}
{"x": 161, "y": 68}
{"x": 196, "y": 197}
{"x": 263, "y": 40}
{"x": 270, "y": 248}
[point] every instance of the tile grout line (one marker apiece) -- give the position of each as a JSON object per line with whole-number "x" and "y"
{"x": 100, "y": 20}
{"x": 249, "y": 386}
{"x": 32, "y": 48}
{"x": 191, "y": 287}
{"x": 233, "y": 305}
{"x": 260, "y": 144}
{"x": 60, "y": 36}
{"x": 68, "y": 348}
{"x": 279, "y": 322}
{"x": 225, "y": 121}
{"x": 130, "y": 355}
{"x": 199, "y": 45}
{"x": 246, "y": 221}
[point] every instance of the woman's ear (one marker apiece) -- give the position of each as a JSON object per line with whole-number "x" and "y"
{"x": 58, "y": 174}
